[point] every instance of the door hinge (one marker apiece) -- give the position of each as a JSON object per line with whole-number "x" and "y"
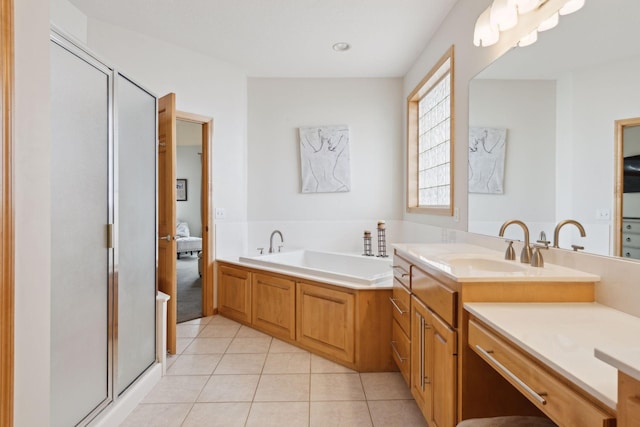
{"x": 110, "y": 236}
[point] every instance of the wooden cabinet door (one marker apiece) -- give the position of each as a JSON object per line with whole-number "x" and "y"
{"x": 273, "y": 305}
{"x": 420, "y": 348}
{"x": 234, "y": 293}
{"x": 326, "y": 321}
{"x": 443, "y": 372}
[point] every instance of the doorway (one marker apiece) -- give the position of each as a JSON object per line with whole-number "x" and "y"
{"x": 626, "y": 238}
{"x": 168, "y": 194}
{"x": 189, "y": 220}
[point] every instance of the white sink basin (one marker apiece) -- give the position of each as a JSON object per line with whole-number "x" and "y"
{"x": 486, "y": 264}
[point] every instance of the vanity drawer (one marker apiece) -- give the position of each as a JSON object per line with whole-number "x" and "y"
{"x": 561, "y": 403}
{"x": 402, "y": 270}
{"x": 630, "y": 226}
{"x": 401, "y": 350}
{"x": 630, "y": 239}
{"x": 401, "y": 303}
{"x": 435, "y": 295}
{"x": 628, "y": 252}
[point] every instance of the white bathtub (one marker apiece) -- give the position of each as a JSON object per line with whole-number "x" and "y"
{"x": 349, "y": 268}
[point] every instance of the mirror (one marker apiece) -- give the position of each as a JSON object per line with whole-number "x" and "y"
{"x": 559, "y": 100}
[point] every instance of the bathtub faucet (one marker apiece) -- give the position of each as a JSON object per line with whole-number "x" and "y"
{"x": 271, "y": 240}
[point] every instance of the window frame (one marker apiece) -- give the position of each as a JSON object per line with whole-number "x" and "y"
{"x": 433, "y": 77}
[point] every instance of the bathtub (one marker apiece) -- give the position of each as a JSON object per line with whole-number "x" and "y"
{"x": 356, "y": 269}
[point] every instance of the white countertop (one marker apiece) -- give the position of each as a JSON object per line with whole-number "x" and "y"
{"x": 564, "y": 336}
{"x": 470, "y": 263}
{"x": 624, "y": 357}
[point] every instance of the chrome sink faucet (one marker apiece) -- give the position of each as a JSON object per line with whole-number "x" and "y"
{"x": 561, "y": 224}
{"x": 525, "y": 255}
{"x": 278, "y": 232}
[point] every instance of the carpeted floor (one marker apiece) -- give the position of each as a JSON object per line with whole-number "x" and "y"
{"x": 189, "y": 288}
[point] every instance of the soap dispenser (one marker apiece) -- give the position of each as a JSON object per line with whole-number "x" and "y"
{"x": 511, "y": 253}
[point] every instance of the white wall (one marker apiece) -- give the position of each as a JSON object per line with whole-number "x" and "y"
{"x": 526, "y": 108}
{"x": 371, "y": 108}
{"x": 189, "y": 166}
{"x": 32, "y": 213}
{"x": 65, "y": 15}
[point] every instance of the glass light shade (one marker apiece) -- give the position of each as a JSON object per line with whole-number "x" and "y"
{"x": 529, "y": 39}
{"x": 549, "y": 23}
{"x": 484, "y": 34}
{"x": 525, "y": 6}
{"x": 503, "y": 15}
{"x": 571, "y": 6}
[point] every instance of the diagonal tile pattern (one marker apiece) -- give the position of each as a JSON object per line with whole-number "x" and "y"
{"x": 227, "y": 374}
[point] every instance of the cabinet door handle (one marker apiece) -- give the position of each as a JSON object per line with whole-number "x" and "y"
{"x": 421, "y": 344}
{"x": 628, "y": 239}
{"x": 628, "y": 227}
{"x": 393, "y": 301}
{"x": 395, "y": 350}
{"x": 402, "y": 270}
{"x": 537, "y": 396}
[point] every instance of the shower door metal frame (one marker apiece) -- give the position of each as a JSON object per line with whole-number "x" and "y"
{"x": 74, "y": 48}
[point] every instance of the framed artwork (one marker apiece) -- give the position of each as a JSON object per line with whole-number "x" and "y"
{"x": 324, "y": 157}
{"x": 181, "y": 190}
{"x": 486, "y": 160}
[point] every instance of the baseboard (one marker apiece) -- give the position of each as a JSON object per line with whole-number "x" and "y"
{"x": 115, "y": 414}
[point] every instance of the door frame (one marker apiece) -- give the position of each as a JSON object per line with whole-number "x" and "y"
{"x": 7, "y": 286}
{"x": 208, "y": 255}
{"x": 618, "y": 190}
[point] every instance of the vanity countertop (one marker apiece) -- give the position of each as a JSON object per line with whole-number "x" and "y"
{"x": 624, "y": 357}
{"x": 564, "y": 336}
{"x": 464, "y": 262}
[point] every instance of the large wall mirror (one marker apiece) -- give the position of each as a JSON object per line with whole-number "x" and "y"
{"x": 558, "y": 101}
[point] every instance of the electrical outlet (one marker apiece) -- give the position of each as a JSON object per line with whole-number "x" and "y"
{"x": 220, "y": 213}
{"x": 603, "y": 214}
{"x": 456, "y": 214}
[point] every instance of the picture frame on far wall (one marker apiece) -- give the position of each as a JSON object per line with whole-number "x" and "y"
{"x": 181, "y": 190}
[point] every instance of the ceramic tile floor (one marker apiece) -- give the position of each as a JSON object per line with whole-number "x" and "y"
{"x": 227, "y": 374}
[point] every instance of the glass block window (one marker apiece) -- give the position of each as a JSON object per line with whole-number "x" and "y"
{"x": 434, "y": 145}
{"x": 430, "y": 141}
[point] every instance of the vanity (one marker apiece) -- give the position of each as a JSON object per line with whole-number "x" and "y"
{"x": 477, "y": 336}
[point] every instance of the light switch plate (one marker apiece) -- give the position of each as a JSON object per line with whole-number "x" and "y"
{"x": 603, "y": 214}
{"x": 220, "y": 213}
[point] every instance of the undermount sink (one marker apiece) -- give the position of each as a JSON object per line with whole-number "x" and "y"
{"x": 485, "y": 264}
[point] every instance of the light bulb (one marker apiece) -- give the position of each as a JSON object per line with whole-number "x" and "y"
{"x": 529, "y": 39}
{"x": 503, "y": 15}
{"x": 549, "y": 23}
{"x": 571, "y": 6}
{"x": 525, "y": 6}
{"x": 484, "y": 34}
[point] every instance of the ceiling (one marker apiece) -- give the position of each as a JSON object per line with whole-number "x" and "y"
{"x": 287, "y": 38}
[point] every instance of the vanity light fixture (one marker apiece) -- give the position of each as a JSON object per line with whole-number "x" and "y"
{"x": 341, "y": 46}
{"x": 502, "y": 15}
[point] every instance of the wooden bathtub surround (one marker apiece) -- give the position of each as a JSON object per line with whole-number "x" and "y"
{"x": 458, "y": 384}
{"x": 351, "y": 327}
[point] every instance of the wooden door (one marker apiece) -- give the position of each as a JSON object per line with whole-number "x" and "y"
{"x": 443, "y": 372}
{"x": 167, "y": 276}
{"x": 273, "y": 305}
{"x": 6, "y": 215}
{"x": 234, "y": 293}
{"x": 326, "y": 321}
